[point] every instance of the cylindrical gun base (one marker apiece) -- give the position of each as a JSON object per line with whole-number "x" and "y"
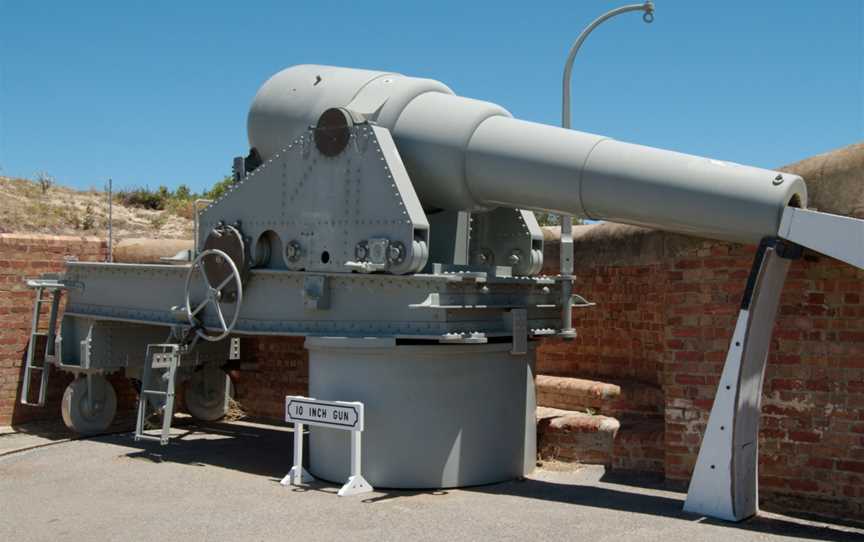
{"x": 437, "y": 416}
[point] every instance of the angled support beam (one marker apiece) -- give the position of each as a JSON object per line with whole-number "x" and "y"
{"x": 725, "y": 481}
{"x": 840, "y": 237}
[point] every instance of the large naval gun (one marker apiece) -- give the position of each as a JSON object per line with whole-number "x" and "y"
{"x": 389, "y": 221}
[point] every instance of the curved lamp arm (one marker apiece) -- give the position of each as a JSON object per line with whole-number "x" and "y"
{"x": 647, "y": 16}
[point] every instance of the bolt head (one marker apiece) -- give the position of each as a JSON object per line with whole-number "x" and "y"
{"x": 292, "y": 250}
{"x": 394, "y": 253}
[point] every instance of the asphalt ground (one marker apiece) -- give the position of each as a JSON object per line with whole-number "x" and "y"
{"x": 221, "y": 482}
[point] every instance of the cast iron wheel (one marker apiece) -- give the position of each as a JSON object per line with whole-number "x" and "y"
{"x": 80, "y": 415}
{"x": 205, "y": 394}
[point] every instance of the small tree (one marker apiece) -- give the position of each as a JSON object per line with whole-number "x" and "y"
{"x": 89, "y": 220}
{"x": 45, "y": 181}
{"x": 183, "y": 193}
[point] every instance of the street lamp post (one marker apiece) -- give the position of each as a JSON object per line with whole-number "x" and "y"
{"x": 647, "y": 8}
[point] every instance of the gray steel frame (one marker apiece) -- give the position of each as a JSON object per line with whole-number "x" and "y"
{"x": 277, "y": 301}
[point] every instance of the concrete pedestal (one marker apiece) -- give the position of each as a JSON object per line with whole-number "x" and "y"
{"x": 437, "y": 416}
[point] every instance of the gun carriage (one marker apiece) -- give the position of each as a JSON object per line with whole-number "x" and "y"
{"x": 390, "y": 222}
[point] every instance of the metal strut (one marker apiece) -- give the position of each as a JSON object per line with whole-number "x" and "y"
{"x": 725, "y": 480}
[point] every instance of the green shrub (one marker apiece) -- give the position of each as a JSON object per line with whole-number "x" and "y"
{"x": 179, "y": 202}
{"x": 183, "y": 193}
{"x": 143, "y": 198}
{"x": 220, "y": 188}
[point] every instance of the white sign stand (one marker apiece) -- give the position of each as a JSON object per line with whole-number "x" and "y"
{"x": 334, "y": 415}
{"x": 297, "y": 475}
{"x": 356, "y": 484}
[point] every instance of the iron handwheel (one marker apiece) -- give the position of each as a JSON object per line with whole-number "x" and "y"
{"x": 214, "y": 295}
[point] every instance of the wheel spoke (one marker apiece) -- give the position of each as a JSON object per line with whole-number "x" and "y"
{"x": 204, "y": 274}
{"x": 200, "y": 307}
{"x": 225, "y": 282}
{"x": 221, "y": 317}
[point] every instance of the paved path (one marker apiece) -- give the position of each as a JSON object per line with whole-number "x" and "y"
{"x": 223, "y": 485}
{"x": 31, "y": 436}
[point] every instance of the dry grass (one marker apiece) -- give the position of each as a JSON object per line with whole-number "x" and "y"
{"x": 558, "y": 466}
{"x": 26, "y": 208}
{"x": 235, "y": 411}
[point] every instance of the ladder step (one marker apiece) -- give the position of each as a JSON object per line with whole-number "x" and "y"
{"x": 164, "y": 364}
{"x": 148, "y": 437}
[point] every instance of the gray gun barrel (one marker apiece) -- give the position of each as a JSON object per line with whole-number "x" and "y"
{"x": 465, "y": 154}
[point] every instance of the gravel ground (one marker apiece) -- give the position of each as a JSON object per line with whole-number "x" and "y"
{"x": 222, "y": 484}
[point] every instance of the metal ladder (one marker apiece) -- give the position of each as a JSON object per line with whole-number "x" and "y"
{"x": 160, "y": 369}
{"x": 43, "y": 365}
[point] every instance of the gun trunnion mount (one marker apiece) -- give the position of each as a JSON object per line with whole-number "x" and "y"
{"x": 390, "y": 222}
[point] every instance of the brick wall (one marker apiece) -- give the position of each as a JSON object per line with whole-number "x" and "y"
{"x": 812, "y": 436}
{"x": 620, "y": 338}
{"x": 666, "y": 310}
{"x": 273, "y": 368}
{"x": 21, "y": 257}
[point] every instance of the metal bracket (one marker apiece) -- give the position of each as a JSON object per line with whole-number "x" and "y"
{"x": 473, "y": 337}
{"x": 580, "y": 302}
{"x": 316, "y": 293}
{"x": 507, "y": 237}
{"x": 234, "y": 349}
{"x": 520, "y": 331}
{"x": 365, "y": 267}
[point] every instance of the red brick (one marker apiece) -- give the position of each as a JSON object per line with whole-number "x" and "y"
{"x": 820, "y": 463}
{"x": 851, "y": 466}
{"x": 687, "y": 379}
{"x": 798, "y": 484}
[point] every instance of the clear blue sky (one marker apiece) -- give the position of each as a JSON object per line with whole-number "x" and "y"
{"x": 157, "y": 92}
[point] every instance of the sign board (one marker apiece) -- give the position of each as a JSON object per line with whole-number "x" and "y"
{"x": 333, "y": 414}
